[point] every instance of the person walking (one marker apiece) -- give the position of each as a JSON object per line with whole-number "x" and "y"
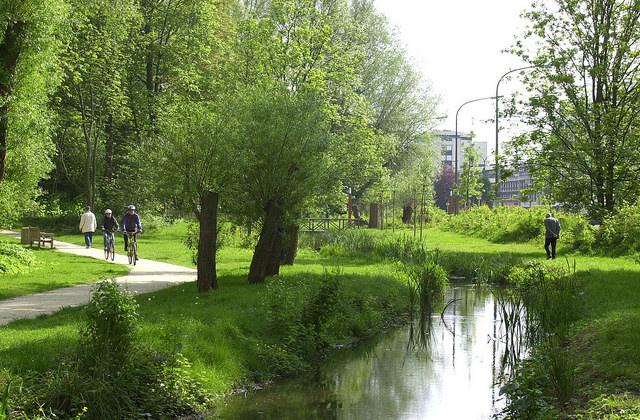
{"x": 88, "y": 226}
{"x": 552, "y": 234}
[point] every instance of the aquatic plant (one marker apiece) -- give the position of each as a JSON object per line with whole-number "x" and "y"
{"x": 426, "y": 283}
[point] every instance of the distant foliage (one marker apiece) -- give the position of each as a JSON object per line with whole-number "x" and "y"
{"x": 478, "y": 268}
{"x": 517, "y": 224}
{"x": 14, "y": 258}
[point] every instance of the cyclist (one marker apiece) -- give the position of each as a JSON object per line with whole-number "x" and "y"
{"x": 130, "y": 223}
{"x": 109, "y": 225}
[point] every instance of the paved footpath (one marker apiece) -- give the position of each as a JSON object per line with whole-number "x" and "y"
{"x": 147, "y": 276}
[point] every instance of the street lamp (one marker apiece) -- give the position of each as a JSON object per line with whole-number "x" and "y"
{"x": 498, "y": 117}
{"x": 455, "y": 169}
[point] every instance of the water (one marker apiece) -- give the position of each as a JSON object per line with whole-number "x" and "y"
{"x": 455, "y": 378}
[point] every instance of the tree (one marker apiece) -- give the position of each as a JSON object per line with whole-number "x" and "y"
{"x": 585, "y": 101}
{"x": 469, "y": 186}
{"x": 286, "y": 62}
{"x": 414, "y": 180}
{"x": 193, "y": 158}
{"x": 487, "y": 188}
{"x": 30, "y": 39}
{"x": 93, "y": 96}
{"x": 444, "y": 186}
{"x": 195, "y": 126}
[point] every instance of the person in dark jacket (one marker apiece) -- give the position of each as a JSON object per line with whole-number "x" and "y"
{"x": 130, "y": 223}
{"x": 109, "y": 225}
{"x": 552, "y": 233}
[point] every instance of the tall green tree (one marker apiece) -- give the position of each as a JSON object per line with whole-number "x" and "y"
{"x": 93, "y": 97}
{"x": 585, "y": 100}
{"x": 30, "y": 39}
{"x": 287, "y": 59}
{"x": 469, "y": 186}
{"x": 402, "y": 104}
{"x": 196, "y": 125}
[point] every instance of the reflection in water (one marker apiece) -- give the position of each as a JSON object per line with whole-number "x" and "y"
{"x": 454, "y": 379}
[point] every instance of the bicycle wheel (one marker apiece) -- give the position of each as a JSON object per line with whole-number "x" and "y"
{"x": 106, "y": 251}
{"x": 130, "y": 252}
{"x": 112, "y": 249}
{"x": 134, "y": 252}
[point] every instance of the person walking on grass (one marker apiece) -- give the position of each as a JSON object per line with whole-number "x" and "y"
{"x": 551, "y": 235}
{"x": 130, "y": 223}
{"x": 88, "y": 226}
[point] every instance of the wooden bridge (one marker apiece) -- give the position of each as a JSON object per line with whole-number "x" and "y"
{"x": 313, "y": 225}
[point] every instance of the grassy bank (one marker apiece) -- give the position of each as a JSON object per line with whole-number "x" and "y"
{"x": 603, "y": 343}
{"x": 239, "y": 334}
{"x": 53, "y": 270}
{"x": 242, "y": 334}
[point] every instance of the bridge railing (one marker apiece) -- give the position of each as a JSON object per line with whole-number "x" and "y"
{"x": 324, "y": 224}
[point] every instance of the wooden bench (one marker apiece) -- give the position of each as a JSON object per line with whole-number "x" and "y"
{"x": 29, "y": 235}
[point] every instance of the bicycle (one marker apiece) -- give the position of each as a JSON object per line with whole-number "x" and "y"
{"x": 109, "y": 248}
{"x": 132, "y": 247}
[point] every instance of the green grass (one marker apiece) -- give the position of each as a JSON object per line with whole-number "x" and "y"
{"x": 221, "y": 333}
{"x": 54, "y": 270}
{"x": 606, "y": 343}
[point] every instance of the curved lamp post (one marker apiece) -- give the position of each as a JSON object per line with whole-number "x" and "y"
{"x": 455, "y": 169}
{"x": 497, "y": 169}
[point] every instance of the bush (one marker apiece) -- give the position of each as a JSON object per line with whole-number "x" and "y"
{"x": 517, "y": 224}
{"x": 15, "y": 259}
{"x": 109, "y": 375}
{"x": 306, "y": 316}
{"x": 298, "y": 313}
{"x": 620, "y": 232}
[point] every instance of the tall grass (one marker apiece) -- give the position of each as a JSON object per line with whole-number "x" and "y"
{"x": 4, "y": 402}
{"x": 426, "y": 282}
{"x": 545, "y": 299}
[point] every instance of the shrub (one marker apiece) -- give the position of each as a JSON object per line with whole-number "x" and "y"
{"x": 298, "y": 312}
{"x": 517, "y": 224}
{"x": 109, "y": 375}
{"x": 111, "y": 330}
{"x": 15, "y": 259}
{"x": 620, "y": 232}
{"x": 307, "y": 315}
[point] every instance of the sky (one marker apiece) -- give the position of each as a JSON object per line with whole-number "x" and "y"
{"x": 456, "y": 45}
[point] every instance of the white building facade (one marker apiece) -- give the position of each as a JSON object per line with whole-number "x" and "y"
{"x": 447, "y": 141}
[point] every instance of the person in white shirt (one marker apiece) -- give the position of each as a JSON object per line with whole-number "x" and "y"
{"x": 88, "y": 226}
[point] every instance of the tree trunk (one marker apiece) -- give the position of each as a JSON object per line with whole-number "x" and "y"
{"x": 208, "y": 217}
{"x": 375, "y": 215}
{"x": 268, "y": 236}
{"x": 109, "y": 150}
{"x": 407, "y": 214}
{"x": 273, "y": 268}
{"x": 290, "y": 244}
{"x": 9, "y": 54}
